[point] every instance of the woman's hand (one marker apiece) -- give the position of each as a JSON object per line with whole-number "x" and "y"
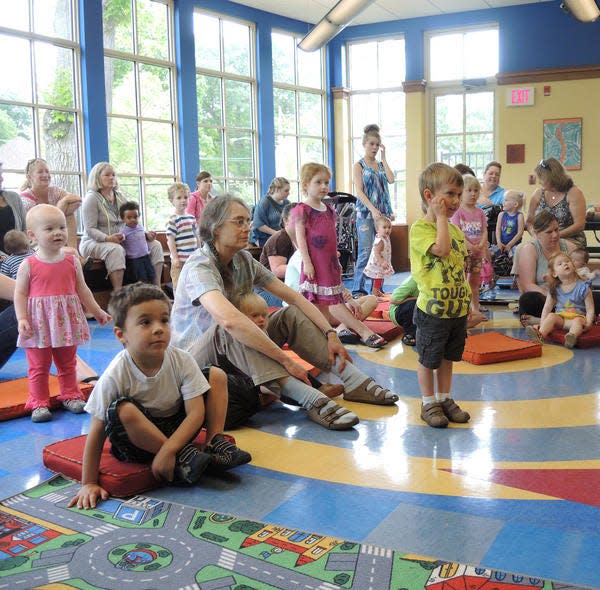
{"x": 69, "y": 204}
{"x": 295, "y": 370}
{"x": 382, "y": 151}
{"x": 336, "y": 349}
{"x": 115, "y": 238}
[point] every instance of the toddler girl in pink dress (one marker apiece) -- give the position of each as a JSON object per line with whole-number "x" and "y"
{"x": 379, "y": 265}
{"x": 51, "y": 321}
{"x": 321, "y": 273}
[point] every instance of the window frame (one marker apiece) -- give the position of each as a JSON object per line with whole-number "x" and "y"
{"x": 225, "y": 180}
{"x": 34, "y": 106}
{"x": 397, "y": 189}
{"x": 459, "y": 87}
{"x": 137, "y": 60}
{"x": 298, "y": 89}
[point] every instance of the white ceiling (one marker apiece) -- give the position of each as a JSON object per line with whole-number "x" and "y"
{"x": 312, "y": 11}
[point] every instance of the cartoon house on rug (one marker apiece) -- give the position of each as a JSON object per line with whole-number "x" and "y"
{"x": 454, "y": 576}
{"x": 18, "y": 535}
{"x": 310, "y": 546}
{"x": 136, "y": 510}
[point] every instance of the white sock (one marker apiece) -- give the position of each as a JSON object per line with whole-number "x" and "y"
{"x": 297, "y": 390}
{"x": 428, "y": 399}
{"x": 442, "y": 397}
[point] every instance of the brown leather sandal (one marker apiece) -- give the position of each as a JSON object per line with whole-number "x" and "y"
{"x": 368, "y": 392}
{"x": 329, "y": 418}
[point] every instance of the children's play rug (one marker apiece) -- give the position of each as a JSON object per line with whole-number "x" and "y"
{"x": 144, "y": 543}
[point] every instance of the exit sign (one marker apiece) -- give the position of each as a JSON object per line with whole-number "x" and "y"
{"x": 520, "y": 97}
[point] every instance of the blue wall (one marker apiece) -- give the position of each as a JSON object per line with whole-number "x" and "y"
{"x": 532, "y": 36}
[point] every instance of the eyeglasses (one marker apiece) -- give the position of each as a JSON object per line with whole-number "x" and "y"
{"x": 241, "y": 221}
{"x": 544, "y": 164}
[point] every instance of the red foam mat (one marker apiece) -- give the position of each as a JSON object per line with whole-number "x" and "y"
{"x": 588, "y": 339}
{"x": 117, "y": 478}
{"x": 14, "y": 393}
{"x": 492, "y": 347}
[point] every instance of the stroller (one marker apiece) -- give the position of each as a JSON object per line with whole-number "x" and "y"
{"x": 345, "y": 207}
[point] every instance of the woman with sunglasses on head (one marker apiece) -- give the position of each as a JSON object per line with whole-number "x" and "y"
{"x": 559, "y": 195}
{"x": 208, "y": 323}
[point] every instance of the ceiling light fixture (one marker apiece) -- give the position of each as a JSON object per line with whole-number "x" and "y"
{"x": 332, "y": 23}
{"x": 584, "y": 10}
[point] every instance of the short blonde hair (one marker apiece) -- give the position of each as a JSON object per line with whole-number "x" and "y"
{"x": 519, "y": 196}
{"x": 94, "y": 177}
{"x": 435, "y": 176}
{"x": 37, "y": 213}
{"x": 470, "y": 181}
{"x": 175, "y": 188}
{"x": 382, "y": 220}
{"x": 251, "y": 301}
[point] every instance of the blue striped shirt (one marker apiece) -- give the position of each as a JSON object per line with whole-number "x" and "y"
{"x": 10, "y": 266}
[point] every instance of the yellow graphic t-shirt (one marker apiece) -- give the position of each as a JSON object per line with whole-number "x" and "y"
{"x": 443, "y": 288}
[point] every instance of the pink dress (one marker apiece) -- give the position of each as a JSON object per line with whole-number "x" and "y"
{"x": 321, "y": 238}
{"x": 53, "y": 308}
{"x": 376, "y": 269}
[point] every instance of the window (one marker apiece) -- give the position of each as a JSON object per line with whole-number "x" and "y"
{"x": 299, "y": 105}
{"x": 139, "y": 76}
{"x": 226, "y": 89}
{"x": 40, "y": 113}
{"x": 462, "y": 65}
{"x": 376, "y": 72}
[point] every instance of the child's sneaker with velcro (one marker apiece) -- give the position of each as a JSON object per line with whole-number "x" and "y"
{"x": 224, "y": 454}
{"x": 190, "y": 463}
{"x": 75, "y": 406}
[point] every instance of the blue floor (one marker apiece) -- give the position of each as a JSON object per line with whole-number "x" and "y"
{"x": 423, "y": 491}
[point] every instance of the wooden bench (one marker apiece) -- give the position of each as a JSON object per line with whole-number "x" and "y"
{"x": 97, "y": 280}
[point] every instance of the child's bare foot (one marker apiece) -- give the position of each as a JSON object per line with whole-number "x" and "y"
{"x": 570, "y": 340}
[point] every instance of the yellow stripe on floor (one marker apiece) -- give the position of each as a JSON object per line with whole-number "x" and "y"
{"x": 386, "y": 469}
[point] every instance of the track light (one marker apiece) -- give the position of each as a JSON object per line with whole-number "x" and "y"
{"x": 584, "y": 10}
{"x": 332, "y": 23}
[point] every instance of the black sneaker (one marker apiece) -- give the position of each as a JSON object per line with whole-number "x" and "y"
{"x": 224, "y": 454}
{"x": 190, "y": 464}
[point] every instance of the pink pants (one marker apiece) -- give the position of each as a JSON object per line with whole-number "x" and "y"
{"x": 39, "y": 361}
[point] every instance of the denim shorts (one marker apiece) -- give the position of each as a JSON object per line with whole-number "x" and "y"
{"x": 439, "y": 338}
{"x": 121, "y": 447}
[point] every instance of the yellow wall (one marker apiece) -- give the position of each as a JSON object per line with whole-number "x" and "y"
{"x": 576, "y": 98}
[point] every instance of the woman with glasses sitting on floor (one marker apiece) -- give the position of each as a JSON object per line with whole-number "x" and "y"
{"x": 559, "y": 195}
{"x": 208, "y": 323}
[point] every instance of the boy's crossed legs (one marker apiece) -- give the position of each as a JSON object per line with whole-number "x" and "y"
{"x": 138, "y": 437}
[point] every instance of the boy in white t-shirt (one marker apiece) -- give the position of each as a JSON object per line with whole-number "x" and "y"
{"x": 150, "y": 401}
